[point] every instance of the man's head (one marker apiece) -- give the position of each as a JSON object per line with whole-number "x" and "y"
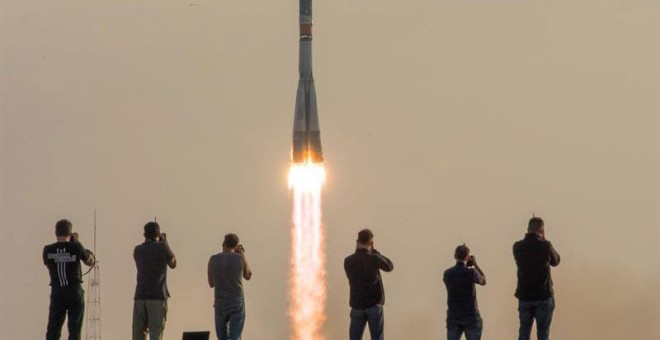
{"x": 152, "y": 230}
{"x": 63, "y": 228}
{"x": 536, "y": 225}
{"x": 365, "y": 238}
{"x": 462, "y": 253}
{"x": 231, "y": 241}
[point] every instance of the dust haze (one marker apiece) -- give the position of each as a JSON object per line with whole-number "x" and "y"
{"x": 443, "y": 122}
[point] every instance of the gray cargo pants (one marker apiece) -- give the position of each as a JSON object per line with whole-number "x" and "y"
{"x": 149, "y": 318}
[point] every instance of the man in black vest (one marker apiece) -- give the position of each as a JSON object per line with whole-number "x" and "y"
{"x": 67, "y": 296}
{"x": 462, "y": 310}
{"x": 534, "y": 255}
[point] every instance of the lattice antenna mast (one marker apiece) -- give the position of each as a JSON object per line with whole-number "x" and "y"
{"x": 93, "y": 319}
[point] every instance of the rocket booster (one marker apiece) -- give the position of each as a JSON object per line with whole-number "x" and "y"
{"x": 306, "y": 130}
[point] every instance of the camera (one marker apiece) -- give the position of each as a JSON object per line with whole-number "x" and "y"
{"x": 163, "y": 237}
{"x": 239, "y": 249}
{"x": 74, "y": 237}
{"x": 470, "y": 261}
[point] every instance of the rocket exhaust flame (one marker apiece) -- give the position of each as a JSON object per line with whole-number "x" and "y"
{"x": 307, "y": 281}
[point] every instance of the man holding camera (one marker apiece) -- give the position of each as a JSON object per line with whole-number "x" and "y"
{"x": 67, "y": 296}
{"x": 534, "y": 255}
{"x": 462, "y": 309}
{"x": 225, "y": 273}
{"x": 367, "y": 293}
{"x": 150, "y": 302}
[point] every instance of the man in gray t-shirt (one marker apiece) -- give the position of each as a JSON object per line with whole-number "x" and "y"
{"x": 150, "y": 300}
{"x": 225, "y": 273}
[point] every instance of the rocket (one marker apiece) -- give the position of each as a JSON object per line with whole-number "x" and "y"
{"x": 306, "y": 130}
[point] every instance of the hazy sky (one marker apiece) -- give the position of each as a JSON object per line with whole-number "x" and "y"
{"x": 443, "y": 122}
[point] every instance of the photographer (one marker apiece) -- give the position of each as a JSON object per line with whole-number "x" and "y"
{"x": 462, "y": 311}
{"x": 67, "y": 296}
{"x": 150, "y": 306}
{"x": 225, "y": 273}
{"x": 367, "y": 295}
{"x": 534, "y": 256}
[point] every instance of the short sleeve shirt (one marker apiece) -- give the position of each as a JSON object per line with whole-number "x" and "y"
{"x": 227, "y": 269}
{"x": 461, "y": 292}
{"x": 151, "y": 259}
{"x": 63, "y": 262}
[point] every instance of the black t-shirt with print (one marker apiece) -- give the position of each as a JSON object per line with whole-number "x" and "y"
{"x": 63, "y": 262}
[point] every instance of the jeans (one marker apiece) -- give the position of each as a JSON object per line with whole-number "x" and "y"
{"x": 229, "y": 312}
{"x": 472, "y": 328}
{"x": 541, "y": 311}
{"x": 66, "y": 301}
{"x": 373, "y": 316}
{"x": 149, "y": 317}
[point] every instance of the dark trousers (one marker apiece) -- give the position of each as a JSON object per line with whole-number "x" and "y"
{"x": 541, "y": 311}
{"x": 471, "y": 327}
{"x": 68, "y": 301}
{"x": 372, "y": 316}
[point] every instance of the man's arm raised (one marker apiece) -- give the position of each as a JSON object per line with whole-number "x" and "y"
{"x": 209, "y": 273}
{"x": 247, "y": 272}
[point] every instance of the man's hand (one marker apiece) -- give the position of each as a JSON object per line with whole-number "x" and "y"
{"x": 90, "y": 258}
{"x": 239, "y": 249}
{"x": 163, "y": 237}
{"x": 74, "y": 237}
{"x": 472, "y": 261}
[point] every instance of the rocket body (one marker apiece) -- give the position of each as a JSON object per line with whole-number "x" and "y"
{"x": 306, "y": 129}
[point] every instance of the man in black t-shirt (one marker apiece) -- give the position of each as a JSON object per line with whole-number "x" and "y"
{"x": 67, "y": 296}
{"x": 462, "y": 310}
{"x": 150, "y": 301}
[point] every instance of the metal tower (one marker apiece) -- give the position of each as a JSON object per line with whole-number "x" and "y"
{"x": 93, "y": 305}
